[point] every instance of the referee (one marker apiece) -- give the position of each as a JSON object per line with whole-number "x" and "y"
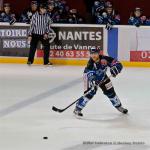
{"x": 39, "y": 29}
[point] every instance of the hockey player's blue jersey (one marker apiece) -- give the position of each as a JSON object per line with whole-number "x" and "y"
{"x": 105, "y": 18}
{"x": 103, "y": 63}
{"x": 6, "y": 17}
{"x": 137, "y": 21}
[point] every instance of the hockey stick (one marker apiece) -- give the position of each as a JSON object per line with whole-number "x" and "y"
{"x": 61, "y": 110}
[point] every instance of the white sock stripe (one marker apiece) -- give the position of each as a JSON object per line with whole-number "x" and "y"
{"x": 114, "y": 72}
{"x": 117, "y": 69}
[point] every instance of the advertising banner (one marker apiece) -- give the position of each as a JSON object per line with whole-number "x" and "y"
{"x": 140, "y": 56}
{"x": 65, "y": 42}
{"x": 66, "y": 53}
{"x": 77, "y": 38}
{"x": 13, "y": 41}
{"x": 74, "y": 42}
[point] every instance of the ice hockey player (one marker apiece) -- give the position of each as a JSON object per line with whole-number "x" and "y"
{"x": 95, "y": 76}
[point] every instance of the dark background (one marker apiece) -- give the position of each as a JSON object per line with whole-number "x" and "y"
{"x": 123, "y": 6}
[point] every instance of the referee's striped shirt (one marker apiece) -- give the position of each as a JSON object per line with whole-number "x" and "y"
{"x": 40, "y": 24}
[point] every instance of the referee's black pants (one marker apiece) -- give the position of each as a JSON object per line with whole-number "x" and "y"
{"x": 33, "y": 46}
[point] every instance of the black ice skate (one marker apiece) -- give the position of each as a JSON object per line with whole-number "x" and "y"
{"x": 77, "y": 112}
{"x": 29, "y": 63}
{"x": 122, "y": 110}
{"x": 48, "y": 64}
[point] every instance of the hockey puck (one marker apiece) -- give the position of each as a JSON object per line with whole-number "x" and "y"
{"x": 45, "y": 137}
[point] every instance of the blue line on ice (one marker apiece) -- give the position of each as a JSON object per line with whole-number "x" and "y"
{"x": 37, "y": 98}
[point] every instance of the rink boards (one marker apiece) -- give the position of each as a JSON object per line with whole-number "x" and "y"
{"x": 69, "y": 44}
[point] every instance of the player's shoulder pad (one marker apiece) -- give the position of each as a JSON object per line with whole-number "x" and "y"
{"x": 116, "y": 63}
{"x": 108, "y": 59}
{"x": 105, "y": 57}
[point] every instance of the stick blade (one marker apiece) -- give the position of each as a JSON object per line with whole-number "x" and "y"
{"x": 56, "y": 109}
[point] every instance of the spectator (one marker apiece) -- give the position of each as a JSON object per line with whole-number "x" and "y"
{"x": 136, "y": 18}
{"x": 65, "y": 7}
{"x": 6, "y": 15}
{"x": 60, "y": 13}
{"x": 147, "y": 21}
{"x": 109, "y": 16}
{"x": 50, "y": 10}
{"x": 98, "y": 7}
{"x": 74, "y": 17}
{"x": 60, "y": 16}
{"x": 27, "y": 14}
{"x": 112, "y": 14}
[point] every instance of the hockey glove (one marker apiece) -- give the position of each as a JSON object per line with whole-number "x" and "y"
{"x": 108, "y": 26}
{"x": 116, "y": 69}
{"x": 137, "y": 25}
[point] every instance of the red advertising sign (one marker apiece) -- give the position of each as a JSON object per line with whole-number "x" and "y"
{"x": 140, "y": 56}
{"x": 66, "y": 53}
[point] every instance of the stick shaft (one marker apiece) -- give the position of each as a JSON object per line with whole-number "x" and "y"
{"x": 61, "y": 110}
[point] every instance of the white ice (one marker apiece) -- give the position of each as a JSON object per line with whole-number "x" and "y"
{"x": 28, "y": 93}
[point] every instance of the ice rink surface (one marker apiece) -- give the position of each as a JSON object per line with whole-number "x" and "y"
{"x": 28, "y": 93}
